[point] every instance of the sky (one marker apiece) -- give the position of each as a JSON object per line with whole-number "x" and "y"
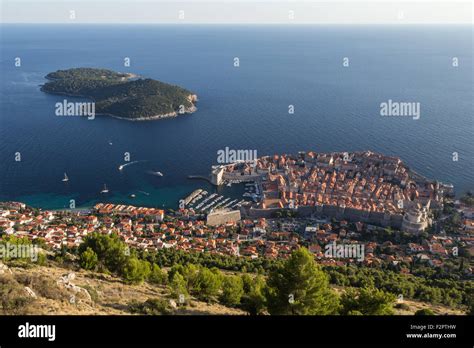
{"x": 238, "y": 11}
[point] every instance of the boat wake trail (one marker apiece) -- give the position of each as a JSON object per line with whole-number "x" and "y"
{"x": 122, "y": 166}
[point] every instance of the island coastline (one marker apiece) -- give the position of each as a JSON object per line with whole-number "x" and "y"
{"x": 115, "y": 91}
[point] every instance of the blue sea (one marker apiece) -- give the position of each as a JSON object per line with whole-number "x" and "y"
{"x": 336, "y": 108}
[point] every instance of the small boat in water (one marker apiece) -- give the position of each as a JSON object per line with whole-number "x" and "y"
{"x": 65, "y": 179}
{"x": 132, "y": 195}
{"x": 122, "y": 166}
{"x": 105, "y": 189}
{"x": 155, "y": 173}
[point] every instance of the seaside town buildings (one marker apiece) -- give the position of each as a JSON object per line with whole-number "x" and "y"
{"x": 338, "y": 198}
{"x": 359, "y": 186}
{"x": 149, "y": 229}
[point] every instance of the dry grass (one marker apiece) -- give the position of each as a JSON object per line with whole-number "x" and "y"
{"x": 110, "y": 296}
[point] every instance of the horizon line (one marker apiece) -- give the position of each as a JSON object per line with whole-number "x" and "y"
{"x": 245, "y": 23}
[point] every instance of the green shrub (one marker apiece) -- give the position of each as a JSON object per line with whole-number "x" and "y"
{"x": 368, "y": 301}
{"x": 88, "y": 259}
{"x": 232, "y": 290}
{"x": 157, "y": 276}
{"x": 152, "y": 306}
{"x": 207, "y": 285}
{"x": 135, "y": 271}
{"x": 424, "y": 311}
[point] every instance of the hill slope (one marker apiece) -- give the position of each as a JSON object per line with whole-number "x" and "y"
{"x": 103, "y": 295}
{"x": 108, "y": 295}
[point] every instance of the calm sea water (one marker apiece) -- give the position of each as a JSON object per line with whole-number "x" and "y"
{"x": 336, "y": 108}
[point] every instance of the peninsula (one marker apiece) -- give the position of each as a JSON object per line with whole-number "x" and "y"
{"x": 122, "y": 95}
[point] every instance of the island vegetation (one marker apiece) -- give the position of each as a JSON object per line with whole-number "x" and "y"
{"x": 122, "y": 95}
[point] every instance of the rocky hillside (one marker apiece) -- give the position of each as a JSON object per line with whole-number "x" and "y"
{"x": 57, "y": 291}
{"x": 53, "y": 290}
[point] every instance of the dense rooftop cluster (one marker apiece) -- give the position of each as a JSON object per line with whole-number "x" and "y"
{"x": 150, "y": 229}
{"x": 365, "y": 181}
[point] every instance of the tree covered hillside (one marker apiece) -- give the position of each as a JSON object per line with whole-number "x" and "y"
{"x": 115, "y": 94}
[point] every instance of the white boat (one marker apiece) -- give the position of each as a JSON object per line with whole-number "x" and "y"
{"x": 105, "y": 190}
{"x": 65, "y": 178}
{"x": 110, "y": 142}
{"x": 128, "y": 164}
{"x": 199, "y": 197}
{"x": 156, "y": 173}
{"x": 230, "y": 203}
{"x": 132, "y": 195}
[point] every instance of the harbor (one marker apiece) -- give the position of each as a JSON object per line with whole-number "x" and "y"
{"x": 203, "y": 202}
{"x": 249, "y": 189}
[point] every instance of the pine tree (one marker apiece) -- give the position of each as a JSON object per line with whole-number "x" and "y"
{"x": 135, "y": 271}
{"x": 300, "y": 287}
{"x": 178, "y": 287}
{"x": 88, "y": 259}
{"x": 232, "y": 290}
{"x": 253, "y": 300}
{"x": 207, "y": 284}
{"x": 368, "y": 301}
{"x": 157, "y": 276}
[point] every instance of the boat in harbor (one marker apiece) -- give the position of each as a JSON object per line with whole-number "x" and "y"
{"x": 237, "y": 205}
{"x": 230, "y": 203}
{"x": 206, "y": 200}
{"x": 198, "y": 198}
{"x": 222, "y": 203}
{"x": 211, "y": 203}
{"x": 217, "y": 200}
{"x": 105, "y": 189}
{"x": 65, "y": 179}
